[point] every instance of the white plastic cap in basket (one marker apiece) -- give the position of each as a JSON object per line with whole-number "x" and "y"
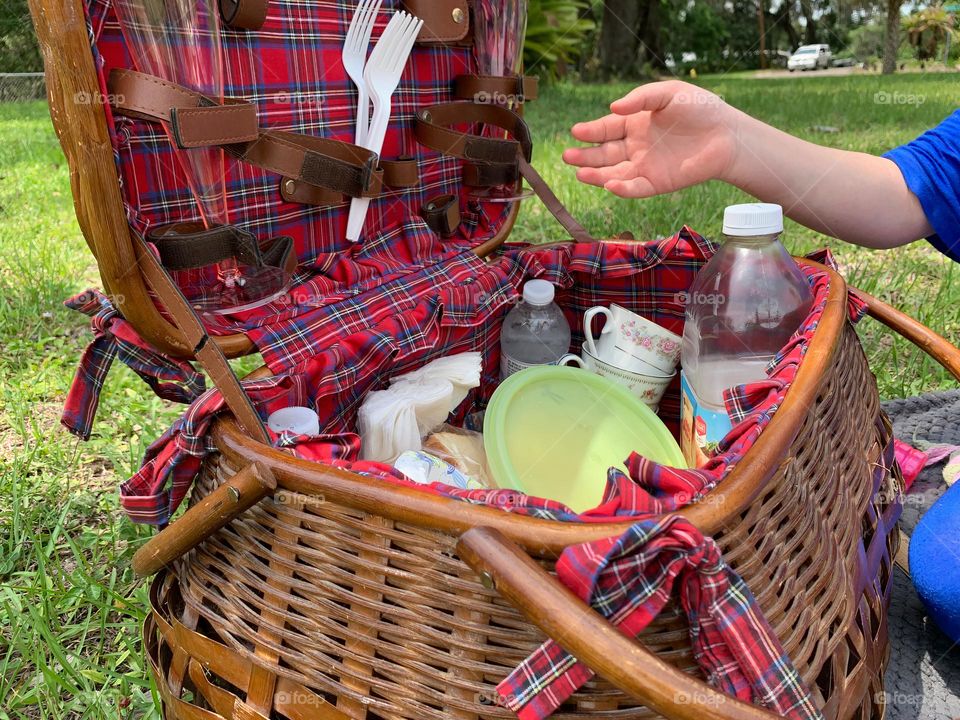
{"x": 538, "y": 292}
{"x": 751, "y": 219}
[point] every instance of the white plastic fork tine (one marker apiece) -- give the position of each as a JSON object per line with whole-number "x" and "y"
{"x": 402, "y": 49}
{"x": 397, "y": 54}
{"x": 370, "y": 21}
{"x": 354, "y": 28}
{"x": 384, "y": 43}
{"x": 408, "y": 44}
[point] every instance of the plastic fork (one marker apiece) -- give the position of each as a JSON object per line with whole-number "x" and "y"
{"x": 355, "y": 58}
{"x": 382, "y": 75}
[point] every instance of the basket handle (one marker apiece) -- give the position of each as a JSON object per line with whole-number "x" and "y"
{"x": 213, "y": 512}
{"x": 584, "y": 633}
{"x": 936, "y": 346}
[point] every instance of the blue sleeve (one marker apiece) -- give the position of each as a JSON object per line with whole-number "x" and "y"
{"x": 931, "y": 166}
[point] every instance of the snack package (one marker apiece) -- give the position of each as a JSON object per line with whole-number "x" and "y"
{"x": 463, "y": 449}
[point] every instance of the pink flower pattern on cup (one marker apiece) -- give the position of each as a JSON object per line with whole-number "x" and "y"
{"x": 665, "y": 347}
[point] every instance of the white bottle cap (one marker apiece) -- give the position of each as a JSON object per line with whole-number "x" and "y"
{"x": 538, "y": 292}
{"x": 753, "y": 219}
{"x": 296, "y": 420}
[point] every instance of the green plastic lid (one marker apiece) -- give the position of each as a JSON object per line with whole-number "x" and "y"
{"x": 553, "y": 432}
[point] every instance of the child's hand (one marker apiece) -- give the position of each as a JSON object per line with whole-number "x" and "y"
{"x": 661, "y": 137}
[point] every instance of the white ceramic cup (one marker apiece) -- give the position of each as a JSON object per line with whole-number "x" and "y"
{"x": 631, "y": 342}
{"x": 647, "y": 388}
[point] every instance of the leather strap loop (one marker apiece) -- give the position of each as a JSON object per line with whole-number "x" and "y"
{"x": 496, "y": 89}
{"x": 444, "y": 21}
{"x": 338, "y": 167}
{"x": 189, "y": 245}
{"x": 480, "y": 175}
{"x": 442, "y": 214}
{"x": 244, "y": 14}
{"x": 196, "y": 120}
{"x": 433, "y": 124}
{"x": 397, "y": 174}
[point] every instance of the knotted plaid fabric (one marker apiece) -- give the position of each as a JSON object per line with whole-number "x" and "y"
{"x": 114, "y": 337}
{"x": 629, "y": 580}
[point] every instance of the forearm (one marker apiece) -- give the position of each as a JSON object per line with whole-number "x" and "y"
{"x": 853, "y": 196}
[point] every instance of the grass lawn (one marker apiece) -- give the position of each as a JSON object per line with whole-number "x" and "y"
{"x": 69, "y": 606}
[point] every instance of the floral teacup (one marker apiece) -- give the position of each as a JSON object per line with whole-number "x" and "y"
{"x": 627, "y": 337}
{"x": 647, "y": 388}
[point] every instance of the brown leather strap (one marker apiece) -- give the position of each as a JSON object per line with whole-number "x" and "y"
{"x": 442, "y": 214}
{"x": 196, "y": 120}
{"x": 338, "y": 167}
{"x": 490, "y": 174}
{"x": 188, "y": 245}
{"x": 496, "y": 89}
{"x": 207, "y": 352}
{"x": 331, "y": 164}
{"x": 553, "y": 204}
{"x": 244, "y": 14}
{"x": 400, "y": 173}
{"x": 444, "y": 21}
{"x": 433, "y": 128}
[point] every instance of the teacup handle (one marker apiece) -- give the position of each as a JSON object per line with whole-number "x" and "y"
{"x": 570, "y": 357}
{"x": 588, "y": 317}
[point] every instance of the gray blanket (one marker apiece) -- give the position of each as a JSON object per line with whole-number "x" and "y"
{"x": 923, "y": 677}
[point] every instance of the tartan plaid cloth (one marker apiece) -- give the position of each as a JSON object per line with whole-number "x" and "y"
{"x": 291, "y": 70}
{"x": 114, "y": 337}
{"x": 629, "y": 579}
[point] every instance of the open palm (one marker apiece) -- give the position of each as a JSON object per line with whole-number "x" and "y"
{"x": 660, "y": 138}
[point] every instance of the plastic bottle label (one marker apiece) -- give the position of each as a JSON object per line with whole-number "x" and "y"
{"x": 509, "y": 365}
{"x": 701, "y": 428}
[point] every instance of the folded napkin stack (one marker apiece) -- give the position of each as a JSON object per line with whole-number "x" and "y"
{"x": 395, "y": 420}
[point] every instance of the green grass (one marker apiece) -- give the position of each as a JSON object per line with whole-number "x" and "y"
{"x": 69, "y": 606}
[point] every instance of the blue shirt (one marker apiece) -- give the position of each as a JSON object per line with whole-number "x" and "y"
{"x": 931, "y": 166}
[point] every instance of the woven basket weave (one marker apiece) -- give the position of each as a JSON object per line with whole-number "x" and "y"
{"x": 347, "y": 596}
{"x": 342, "y": 597}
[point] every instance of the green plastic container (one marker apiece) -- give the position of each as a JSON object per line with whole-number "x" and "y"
{"x": 553, "y": 432}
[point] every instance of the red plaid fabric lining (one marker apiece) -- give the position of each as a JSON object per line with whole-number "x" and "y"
{"x": 629, "y": 580}
{"x": 114, "y": 337}
{"x": 291, "y": 70}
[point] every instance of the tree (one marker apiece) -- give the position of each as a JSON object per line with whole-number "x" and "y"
{"x": 926, "y": 29}
{"x": 619, "y": 42}
{"x": 891, "y": 42}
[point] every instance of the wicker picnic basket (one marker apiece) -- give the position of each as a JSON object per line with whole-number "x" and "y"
{"x": 306, "y": 591}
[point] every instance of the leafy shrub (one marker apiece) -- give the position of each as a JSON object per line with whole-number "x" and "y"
{"x": 556, "y": 30}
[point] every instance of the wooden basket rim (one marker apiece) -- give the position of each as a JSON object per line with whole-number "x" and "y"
{"x": 546, "y": 538}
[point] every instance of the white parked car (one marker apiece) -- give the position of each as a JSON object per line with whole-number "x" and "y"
{"x": 810, "y": 57}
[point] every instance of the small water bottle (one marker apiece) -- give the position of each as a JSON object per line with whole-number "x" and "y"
{"x": 743, "y": 307}
{"x": 535, "y": 332}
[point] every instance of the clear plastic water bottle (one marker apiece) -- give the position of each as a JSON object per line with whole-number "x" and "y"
{"x": 535, "y": 332}
{"x": 743, "y": 307}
